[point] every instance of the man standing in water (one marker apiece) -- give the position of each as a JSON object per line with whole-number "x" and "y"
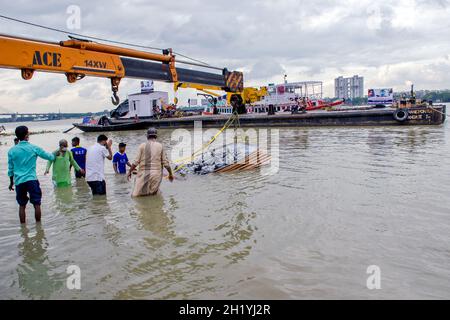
{"x": 61, "y": 166}
{"x": 22, "y": 172}
{"x": 95, "y": 164}
{"x": 150, "y": 161}
{"x": 79, "y": 155}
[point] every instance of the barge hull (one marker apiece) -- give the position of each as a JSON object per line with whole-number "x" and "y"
{"x": 377, "y": 117}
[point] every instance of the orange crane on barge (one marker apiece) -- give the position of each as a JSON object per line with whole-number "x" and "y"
{"x": 78, "y": 58}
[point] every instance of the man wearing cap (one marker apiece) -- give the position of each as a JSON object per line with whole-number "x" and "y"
{"x": 120, "y": 160}
{"x": 150, "y": 161}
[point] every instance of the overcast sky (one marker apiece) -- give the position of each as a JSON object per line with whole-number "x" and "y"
{"x": 390, "y": 43}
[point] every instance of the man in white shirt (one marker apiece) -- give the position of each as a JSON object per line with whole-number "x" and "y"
{"x": 95, "y": 164}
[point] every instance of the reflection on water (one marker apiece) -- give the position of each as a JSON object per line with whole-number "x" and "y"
{"x": 151, "y": 216}
{"x": 343, "y": 199}
{"x": 175, "y": 266}
{"x": 35, "y": 275}
{"x": 64, "y": 199}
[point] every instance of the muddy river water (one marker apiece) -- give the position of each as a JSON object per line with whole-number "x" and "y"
{"x": 342, "y": 200}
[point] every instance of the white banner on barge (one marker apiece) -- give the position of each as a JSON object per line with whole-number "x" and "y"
{"x": 380, "y": 96}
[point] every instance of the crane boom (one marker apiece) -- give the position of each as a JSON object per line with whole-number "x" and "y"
{"x": 78, "y": 58}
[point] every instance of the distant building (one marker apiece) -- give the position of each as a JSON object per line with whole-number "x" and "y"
{"x": 349, "y": 88}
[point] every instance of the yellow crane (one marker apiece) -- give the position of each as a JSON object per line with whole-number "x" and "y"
{"x": 247, "y": 95}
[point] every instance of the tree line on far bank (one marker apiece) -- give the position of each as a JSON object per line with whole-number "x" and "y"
{"x": 441, "y": 96}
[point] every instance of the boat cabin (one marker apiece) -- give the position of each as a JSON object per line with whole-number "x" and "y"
{"x": 144, "y": 105}
{"x": 285, "y": 93}
{"x": 141, "y": 105}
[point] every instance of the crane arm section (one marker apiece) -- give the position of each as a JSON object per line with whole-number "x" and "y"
{"x": 17, "y": 53}
{"x": 79, "y": 58}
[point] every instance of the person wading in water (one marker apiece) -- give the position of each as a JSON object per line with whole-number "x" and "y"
{"x": 95, "y": 164}
{"x": 61, "y": 166}
{"x": 150, "y": 161}
{"x": 22, "y": 172}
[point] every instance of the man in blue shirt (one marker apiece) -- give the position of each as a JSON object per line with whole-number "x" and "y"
{"x": 79, "y": 155}
{"x": 120, "y": 160}
{"x": 22, "y": 172}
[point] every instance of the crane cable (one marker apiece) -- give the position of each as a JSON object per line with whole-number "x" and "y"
{"x": 99, "y": 39}
{"x": 436, "y": 110}
{"x": 234, "y": 117}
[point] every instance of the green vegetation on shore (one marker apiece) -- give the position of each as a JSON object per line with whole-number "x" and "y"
{"x": 442, "y": 96}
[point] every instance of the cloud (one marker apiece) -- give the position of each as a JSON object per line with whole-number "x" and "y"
{"x": 265, "y": 69}
{"x": 388, "y": 42}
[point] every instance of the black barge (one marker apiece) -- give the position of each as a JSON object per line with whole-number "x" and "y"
{"x": 420, "y": 115}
